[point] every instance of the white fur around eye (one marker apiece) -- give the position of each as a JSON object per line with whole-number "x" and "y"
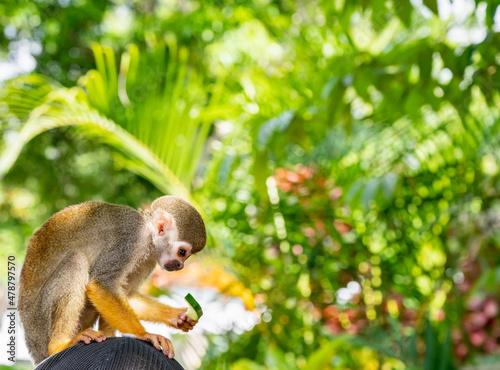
{"x": 182, "y": 245}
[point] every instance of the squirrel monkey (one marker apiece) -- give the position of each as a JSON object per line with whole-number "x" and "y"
{"x": 87, "y": 263}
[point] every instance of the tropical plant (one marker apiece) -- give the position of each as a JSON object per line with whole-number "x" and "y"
{"x": 156, "y": 111}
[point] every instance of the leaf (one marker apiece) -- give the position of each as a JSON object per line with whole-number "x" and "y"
{"x": 430, "y": 346}
{"x": 246, "y": 364}
{"x": 425, "y": 64}
{"x": 225, "y": 169}
{"x": 404, "y": 11}
{"x": 25, "y": 93}
{"x": 432, "y": 5}
{"x": 69, "y": 107}
{"x": 322, "y": 357}
{"x": 354, "y": 190}
{"x": 329, "y": 87}
{"x": 446, "y": 356}
{"x": 388, "y": 184}
{"x": 370, "y": 190}
{"x": 491, "y": 9}
{"x": 275, "y": 359}
{"x": 275, "y": 125}
{"x": 260, "y": 173}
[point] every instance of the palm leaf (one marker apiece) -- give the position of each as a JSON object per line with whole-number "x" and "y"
{"x": 69, "y": 107}
{"x": 155, "y": 111}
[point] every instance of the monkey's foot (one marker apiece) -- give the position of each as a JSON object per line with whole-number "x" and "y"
{"x": 159, "y": 342}
{"x": 87, "y": 336}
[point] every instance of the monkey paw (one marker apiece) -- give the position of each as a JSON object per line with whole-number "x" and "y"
{"x": 87, "y": 336}
{"x": 159, "y": 342}
{"x": 182, "y": 321}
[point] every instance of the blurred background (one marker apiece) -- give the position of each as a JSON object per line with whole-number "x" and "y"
{"x": 344, "y": 154}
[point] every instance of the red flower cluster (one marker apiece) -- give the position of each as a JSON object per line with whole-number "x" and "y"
{"x": 480, "y": 329}
{"x": 350, "y": 320}
{"x": 292, "y": 181}
{"x": 353, "y": 320}
{"x": 312, "y": 189}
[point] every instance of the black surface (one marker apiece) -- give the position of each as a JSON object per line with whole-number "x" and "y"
{"x": 114, "y": 353}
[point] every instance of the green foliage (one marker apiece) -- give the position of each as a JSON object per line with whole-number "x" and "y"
{"x": 140, "y": 117}
{"x": 61, "y": 29}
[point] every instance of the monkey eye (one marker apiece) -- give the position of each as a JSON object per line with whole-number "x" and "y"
{"x": 182, "y": 252}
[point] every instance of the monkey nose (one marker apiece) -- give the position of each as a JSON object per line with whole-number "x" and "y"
{"x": 173, "y": 265}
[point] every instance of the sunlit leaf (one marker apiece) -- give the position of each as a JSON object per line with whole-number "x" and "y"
{"x": 274, "y": 126}
{"x": 388, "y": 184}
{"x": 370, "y": 190}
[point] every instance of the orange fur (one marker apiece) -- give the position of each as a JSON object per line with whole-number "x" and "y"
{"x": 107, "y": 329}
{"x": 114, "y": 309}
{"x": 55, "y": 347}
{"x": 150, "y": 309}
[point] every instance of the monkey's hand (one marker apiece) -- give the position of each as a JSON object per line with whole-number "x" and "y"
{"x": 149, "y": 309}
{"x": 159, "y": 342}
{"x": 182, "y": 321}
{"x": 87, "y": 336}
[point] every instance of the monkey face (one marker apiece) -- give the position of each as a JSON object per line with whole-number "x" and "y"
{"x": 171, "y": 252}
{"x": 173, "y": 258}
{"x": 188, "y": 221}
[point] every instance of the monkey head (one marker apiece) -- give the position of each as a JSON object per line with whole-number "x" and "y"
{"x": 178, "y": 231}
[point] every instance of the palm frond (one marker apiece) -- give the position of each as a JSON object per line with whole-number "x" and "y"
{"x": 160, "y": 99}
{"x": 69, "y": 107}
{"x": 157, "y": 110}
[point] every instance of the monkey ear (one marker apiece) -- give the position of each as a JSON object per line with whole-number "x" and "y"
{"x": 164, "y": 222}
